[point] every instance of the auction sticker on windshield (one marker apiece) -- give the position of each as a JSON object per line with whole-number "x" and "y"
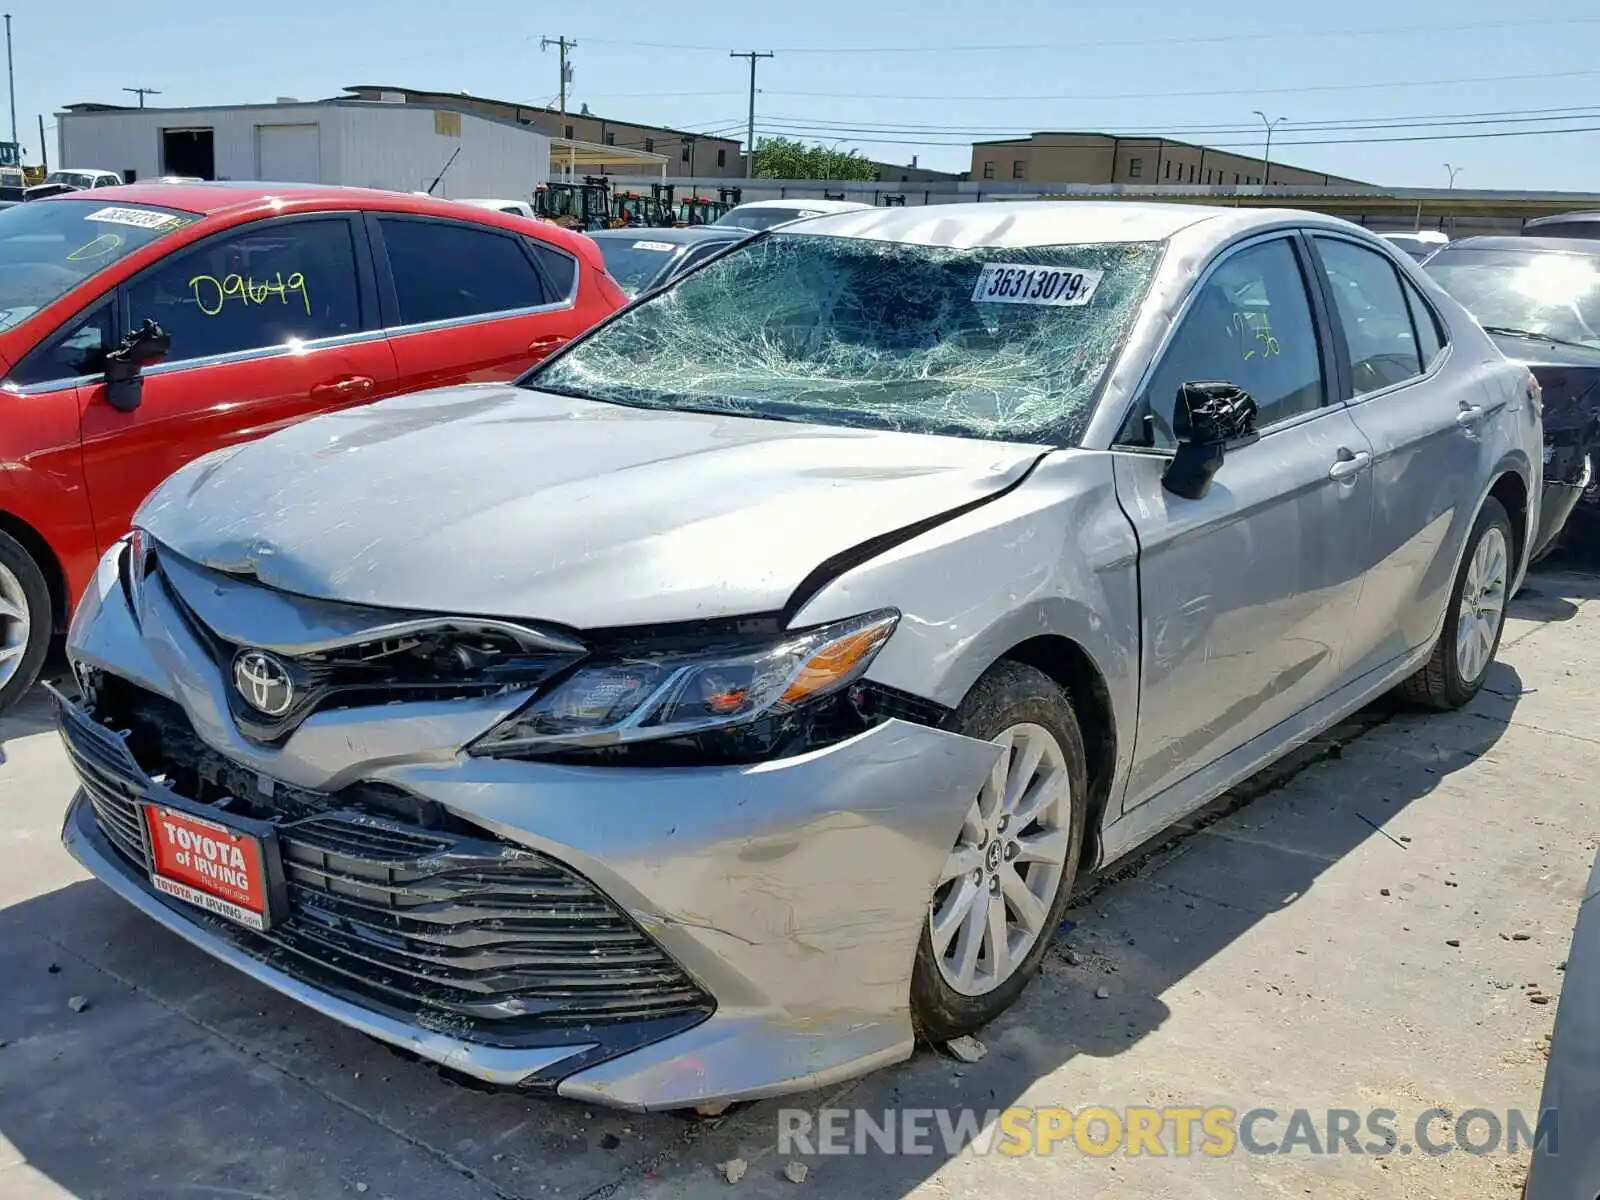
{"x": 142, "y": 218}
{"x": 210, "y": 865}
{"x": 664, "y": 247}
{"x": 1014, "y": 283}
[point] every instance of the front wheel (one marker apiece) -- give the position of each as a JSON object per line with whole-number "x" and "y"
{"x": 999, "y": 896}
{"x": 26, "y": 620}
{"x": 1474, "y": 620}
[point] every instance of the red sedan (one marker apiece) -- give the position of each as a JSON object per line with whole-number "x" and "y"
{"x": 143, "y": 326}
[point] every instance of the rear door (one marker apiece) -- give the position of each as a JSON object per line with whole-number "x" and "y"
{"x": 1424, "y": 418}
{"x": 467, "y": 303}
{"x": 1245, "y": 594}
{"x": 271, "y": 322}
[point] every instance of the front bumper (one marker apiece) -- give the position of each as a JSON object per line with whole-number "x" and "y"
{"x": 792, "y": 893}
{"x": 1559, "y": 499}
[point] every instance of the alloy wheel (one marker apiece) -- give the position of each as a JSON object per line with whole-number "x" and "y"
{"x": 994, "y": 895}
{"x": 1483, "y": 604}
{"x": 15, "y": 624}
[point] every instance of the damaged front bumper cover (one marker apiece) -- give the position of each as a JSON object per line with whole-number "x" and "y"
{"x": 1560, "y": 498}
{"x": 792, "y": 892}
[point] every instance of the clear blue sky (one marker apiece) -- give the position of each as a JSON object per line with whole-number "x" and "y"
{"x": 844, "y": 70}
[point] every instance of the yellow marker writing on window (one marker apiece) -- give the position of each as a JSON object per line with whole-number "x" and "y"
{"x": 212, "y": 294}
{"x": 105, "y": 244}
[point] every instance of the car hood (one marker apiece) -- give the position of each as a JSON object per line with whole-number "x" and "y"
{"x": 498, "y": 501}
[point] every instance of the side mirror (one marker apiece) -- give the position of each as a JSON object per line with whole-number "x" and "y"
{"x": 1208, "y": 417}
{"x": 125, "y": 365}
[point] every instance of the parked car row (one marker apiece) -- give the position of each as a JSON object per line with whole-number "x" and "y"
{"x": 735, "y": 696}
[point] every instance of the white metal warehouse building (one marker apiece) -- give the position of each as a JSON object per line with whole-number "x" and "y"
{"x": 356, "y": 143}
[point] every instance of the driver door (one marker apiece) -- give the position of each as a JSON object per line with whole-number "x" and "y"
{"x": 1246, "y": 593}
{"x": 271, "y": 322}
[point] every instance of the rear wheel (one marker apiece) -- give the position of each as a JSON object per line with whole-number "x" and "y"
{"x": 1474, "y": 620}
{"x": 26, "y": 620}
{"x": 999, "y": 897}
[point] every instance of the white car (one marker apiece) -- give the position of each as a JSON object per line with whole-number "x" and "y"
{"x": 764, "y": 214}
{"x": 520, "y": 208}
{"x": 737, "y": 697}
{"x": 83, "y": 180}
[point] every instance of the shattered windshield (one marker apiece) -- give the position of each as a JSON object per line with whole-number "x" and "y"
{"x": 1008, "y": 344}
{"x": 50, "y": 246}
{"x": 1548, "y": 293}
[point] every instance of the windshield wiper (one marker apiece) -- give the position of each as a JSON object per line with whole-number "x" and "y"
{"x": 1512, "y": 331}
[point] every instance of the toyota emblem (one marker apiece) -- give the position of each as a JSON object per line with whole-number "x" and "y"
{"x": 264, "y": 682}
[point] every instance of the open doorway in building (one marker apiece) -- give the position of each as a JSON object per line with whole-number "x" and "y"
{"x": 188, "y": 152}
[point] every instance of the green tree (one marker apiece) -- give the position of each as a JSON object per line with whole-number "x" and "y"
{"x": 785, "y": 158}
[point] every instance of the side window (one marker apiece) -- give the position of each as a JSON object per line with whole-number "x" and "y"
{"x": 77, "y": 348}
{"x": 1425, "y": 323}
{"x": 253, "y": 288}
{"x": 1250, "y": 324}
{"x": 444, "y": 271}
{"x": 1374, "y": 315}
{"x": 560, "y": 268}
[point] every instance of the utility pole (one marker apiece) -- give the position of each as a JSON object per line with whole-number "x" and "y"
{"x": 44, "y": 154}
{"x": 566, "y": 77}
{"x": 143, "y": 92}
{"x": 11, "y": 83}
{"x": 1266, "y": 158}
{"x": 750, "y": 129}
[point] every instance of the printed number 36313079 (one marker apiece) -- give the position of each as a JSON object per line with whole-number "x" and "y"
{"x": 1006, "y": 283}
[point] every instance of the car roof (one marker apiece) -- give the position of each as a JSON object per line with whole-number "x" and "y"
{"x": 821, "y": 206}
{"x": 216, "y": 196}
{"x": 683, "y": 235}
{"x": 247, "y": 199}
{"x": 1034, "y": 223}
{"x": 1589, "y": 217}
{"x": 1528, "y": 243}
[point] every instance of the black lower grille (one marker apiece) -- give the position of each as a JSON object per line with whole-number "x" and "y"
{"x": 427, "y": 920}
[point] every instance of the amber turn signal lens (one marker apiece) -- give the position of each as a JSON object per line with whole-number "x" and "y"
{"x": 837, "y": 660}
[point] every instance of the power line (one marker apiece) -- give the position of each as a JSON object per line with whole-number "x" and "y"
{"x": 820, "y": 131}
{"x": 1146, "y": 94}
{"x": 1433, "y": 30}
{"x": 1438, "y": 120}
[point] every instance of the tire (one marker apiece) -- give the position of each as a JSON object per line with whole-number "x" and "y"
{"x": 1026, "y": 707}
{"x": 27, "y": 620}
{"x": 1444, "y": 682}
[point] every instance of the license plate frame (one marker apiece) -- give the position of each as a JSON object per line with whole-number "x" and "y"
{"x": 233, "y": 840}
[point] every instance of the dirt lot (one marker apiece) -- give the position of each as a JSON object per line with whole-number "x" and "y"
{"x": 1369, "y": 928}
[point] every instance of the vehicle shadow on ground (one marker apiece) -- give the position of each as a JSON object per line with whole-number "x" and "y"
{"x": 182, "y": 1076}
{"x": 1554, "y": 594}
{"x": 35, "y": 712}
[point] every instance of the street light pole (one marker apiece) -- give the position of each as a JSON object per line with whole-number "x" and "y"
{"x": 1454, "y": 171}
{"x": 11, "y": 84}
{"x": 1266, "y": 157}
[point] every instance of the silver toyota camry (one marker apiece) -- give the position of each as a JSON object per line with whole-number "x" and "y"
{"x": 736, "y": 699}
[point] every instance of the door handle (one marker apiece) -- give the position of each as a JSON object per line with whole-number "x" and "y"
{"x": 350, "y": 385}
{"x": 1469, "y": 415}
{"x": 543, "y": 345}
{"x": 1349, "y": 464}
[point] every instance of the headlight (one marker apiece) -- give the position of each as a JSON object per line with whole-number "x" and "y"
{"x": 678, "y": 694}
